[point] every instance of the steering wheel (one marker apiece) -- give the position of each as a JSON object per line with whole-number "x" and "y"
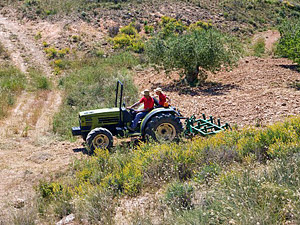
{"x": 132, "y": 110}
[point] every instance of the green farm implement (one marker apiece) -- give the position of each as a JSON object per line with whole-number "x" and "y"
{"x": 203, "y": 126}
{"x": 97, "y": 127}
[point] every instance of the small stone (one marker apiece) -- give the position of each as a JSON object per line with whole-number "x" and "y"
{"x": 19, "y": 203}
{"x": 66, "y": 220}
{"x": 283, "y": 104}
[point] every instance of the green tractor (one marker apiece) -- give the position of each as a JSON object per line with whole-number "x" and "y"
{"x": 97, "y": 127}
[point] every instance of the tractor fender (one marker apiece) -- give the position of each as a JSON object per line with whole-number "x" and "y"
{"x": 153, "y": 113}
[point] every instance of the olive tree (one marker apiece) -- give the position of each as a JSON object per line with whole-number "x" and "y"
{"x": 194, "y": 52}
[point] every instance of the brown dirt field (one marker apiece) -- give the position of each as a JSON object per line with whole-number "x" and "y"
{"x": 257, "y": 92}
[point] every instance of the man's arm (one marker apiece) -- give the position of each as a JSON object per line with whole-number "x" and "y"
{"x": 135, "y": 104}
{"x": 169, "y": 100}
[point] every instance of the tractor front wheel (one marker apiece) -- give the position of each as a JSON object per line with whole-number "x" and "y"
{"x": 164, "y": 127}
{"x": 99, "y": 138}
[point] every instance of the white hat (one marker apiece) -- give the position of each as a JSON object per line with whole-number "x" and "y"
{"x": 146, "y": 92}
{"x": 158, "y": 89}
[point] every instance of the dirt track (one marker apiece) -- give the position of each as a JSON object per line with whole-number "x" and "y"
{"x": 28, "y": 151}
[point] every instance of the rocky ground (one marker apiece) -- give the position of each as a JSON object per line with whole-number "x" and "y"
{"x": 257, "y": 92}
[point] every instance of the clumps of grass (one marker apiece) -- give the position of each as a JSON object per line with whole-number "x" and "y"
{"x": 26, "y": 215}
{"x": 38, "y": 80}
{"x": 259, "y": 47}
{"x": 57, "y": 196}
{"x": 92, "y": 85}
{"x": 203, "y": 160}
{"x": 12, "y": 82}
{"x": 207, "y": 173}
{"x": 38, "y": 36}
{"x": 178, "y": 196}
{"x": 250, "y": 197}
{"x": 128, "y": 38}
{"x": 57, "y": 56}
{"x": 97, "y": 207}
{"x": 3, "y": 52}
{"x": 148, "y": 29}
{"x": 53, "y": 52}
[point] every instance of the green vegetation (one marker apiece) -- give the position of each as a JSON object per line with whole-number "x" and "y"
{"x": 257, "y": 14}
{"x": 289, "y": 43}
{"x": 194, "y": 51}
{"x": 214, "y": 159}
{"x": 128, "y": 38}
{"x": 91, "y": 85}
{"x": 38, "y": 81}
{"x": 12, "y": 82}
{"x": 259, "y": 47}
{"x": 179, "y": 196}
{"x": 251, "y": 197}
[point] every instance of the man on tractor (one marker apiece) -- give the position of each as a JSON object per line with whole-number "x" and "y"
{"x": 148, "y": 106}
{"x": 162, "y": 98}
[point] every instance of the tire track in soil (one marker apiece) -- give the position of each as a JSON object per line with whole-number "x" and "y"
{"x": 28, "y": 151}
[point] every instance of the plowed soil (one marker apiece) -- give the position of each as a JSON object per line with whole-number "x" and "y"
{"x": 257, "y": 92}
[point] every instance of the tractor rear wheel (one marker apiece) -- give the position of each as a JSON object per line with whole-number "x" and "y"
{"x": 99, "y": 138}
{"x": 164, "y": 127}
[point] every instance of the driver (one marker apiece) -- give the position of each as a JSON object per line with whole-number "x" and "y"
{"x": 148, "y": 106}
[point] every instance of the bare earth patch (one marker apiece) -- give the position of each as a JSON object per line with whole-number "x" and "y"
{"x": 28, "y": 150}
{"x": 257, "y": 91}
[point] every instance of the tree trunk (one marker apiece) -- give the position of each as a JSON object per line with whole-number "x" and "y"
{"x": 192, "y": 76}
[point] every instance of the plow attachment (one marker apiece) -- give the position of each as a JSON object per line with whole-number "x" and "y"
{"x": 203, "y": 126}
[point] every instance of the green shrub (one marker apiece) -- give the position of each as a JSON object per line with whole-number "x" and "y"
{"x": 128, "y": 38}
{"x": 55, "y": 196}
{"x": 179, "y": 196}
{"x": 38, "y": 81}
{"x": 148, "y": 29}
{"x": 129, "y": 30}
{"x": 38, "y": 36}
{"x": 170, "y": 26}
{"x": 12, "y": 82}
{"x": 207, "y": 173}
{"x": 289, "y": 42}
{"x": 51, "y": 52}
{"x": 259, "y": 47}
{"x": 193, "y": 51}
{"x": 200, "y": 25}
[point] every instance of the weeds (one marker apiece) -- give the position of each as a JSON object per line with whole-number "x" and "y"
{"x": 98, "y": 207}
{"x": 288, "y": 45}
{"x": 12, "y": 82}
{"x": 128, "y": 38}
{"x": 259, "y": 47}
{"x": 179, "y": 196}
{"x": 248, "y": 197}
{"x": 91, "y": 85}
{"x": 38, "y": 81}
